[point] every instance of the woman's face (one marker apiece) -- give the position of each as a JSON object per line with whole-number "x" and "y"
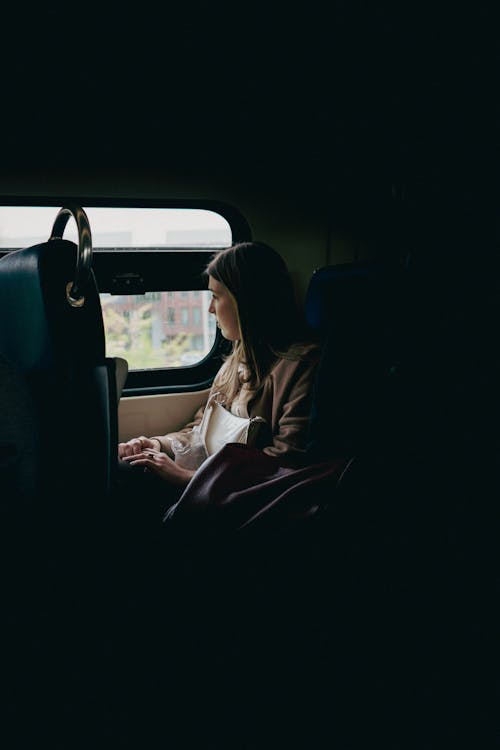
{"x": 223, "y": 307}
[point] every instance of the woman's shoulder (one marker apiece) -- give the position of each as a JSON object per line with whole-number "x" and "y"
{"x": 300, "y": 357}
{"x": 300, "y": 351}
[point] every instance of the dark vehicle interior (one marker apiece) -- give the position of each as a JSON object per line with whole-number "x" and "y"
{"x": 357, "y": 611}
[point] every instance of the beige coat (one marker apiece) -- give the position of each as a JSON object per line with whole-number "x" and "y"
{"x": 283, "y": 401}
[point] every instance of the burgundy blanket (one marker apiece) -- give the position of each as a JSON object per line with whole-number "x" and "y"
{"x": 243, "y": 489}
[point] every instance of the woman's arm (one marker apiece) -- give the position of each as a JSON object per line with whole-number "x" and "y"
{"x": 156, "y": 442}
{"x": 292, "y": 382}
{"x": 162, "y": 442}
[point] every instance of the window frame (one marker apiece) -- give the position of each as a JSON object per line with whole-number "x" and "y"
{"x": 181, "y": 270}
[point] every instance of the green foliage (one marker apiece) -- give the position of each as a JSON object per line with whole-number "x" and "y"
{"x": 129, "y": 334}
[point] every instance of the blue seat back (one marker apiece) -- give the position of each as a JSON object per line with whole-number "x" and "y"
{"x": 59, "y": 352}
{"x": 361, "y": 313}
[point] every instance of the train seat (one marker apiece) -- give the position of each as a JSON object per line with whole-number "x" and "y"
{"x": 360, "y": 313}
{"x": 55, "y": 341}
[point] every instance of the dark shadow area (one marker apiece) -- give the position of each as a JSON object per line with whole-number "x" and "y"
{"x": 370, "y": 626}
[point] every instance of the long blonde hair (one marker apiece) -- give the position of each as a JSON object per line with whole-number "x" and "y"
{"x": 268, "y": 315}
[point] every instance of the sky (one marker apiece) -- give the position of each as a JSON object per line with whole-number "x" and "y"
{"x": 135, "y": 227}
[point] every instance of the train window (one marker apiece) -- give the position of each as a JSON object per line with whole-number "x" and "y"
{"x": 120, "y": 228}
{"x": 150, "y": 330}
{"x": 149, "y": 260}
{"x": 158, "y": 329}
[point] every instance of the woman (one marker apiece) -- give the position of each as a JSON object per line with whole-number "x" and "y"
{"x": 270, "y": 370}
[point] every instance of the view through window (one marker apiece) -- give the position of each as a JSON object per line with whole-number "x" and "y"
{"x": 152, "y": 330}
{"x": 158, "y": 329}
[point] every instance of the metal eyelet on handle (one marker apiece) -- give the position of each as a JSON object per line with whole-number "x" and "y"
{"x": 75, "y": 289}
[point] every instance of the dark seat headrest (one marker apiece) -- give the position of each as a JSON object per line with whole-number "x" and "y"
{"x": 39, "y": 326}
{"x": 337, "y": 293}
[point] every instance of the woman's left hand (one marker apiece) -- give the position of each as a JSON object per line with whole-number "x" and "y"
{"x": 162, "y": 465}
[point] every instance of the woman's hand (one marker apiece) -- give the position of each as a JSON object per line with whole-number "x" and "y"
{"x": 137, "y": 445}
{"x": 161, "y": 465}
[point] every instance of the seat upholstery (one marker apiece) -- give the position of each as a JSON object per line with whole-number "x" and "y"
{"x": 58, "y": 435}
{"x": 361, "y": 314}
{"x": 18, "y": 439}
{"x": 408, "y": 386}
{"x": 59, "y": 351}
{"x": 121, "y": 370}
